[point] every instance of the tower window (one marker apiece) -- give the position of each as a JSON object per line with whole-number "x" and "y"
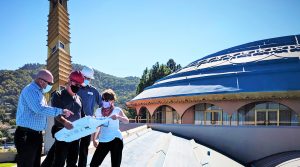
{"x": 61, "y": 45}
{"x": 54, "y": 49}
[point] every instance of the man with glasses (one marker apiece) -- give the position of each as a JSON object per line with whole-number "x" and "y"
{"x": 67, "y": 98}
{"x": 90, "y": 97}
{"x": 31, "y": 119}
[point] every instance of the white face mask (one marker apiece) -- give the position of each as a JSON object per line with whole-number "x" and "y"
{"x": 47, "y": 89}
{"x": 105, "y": 104}
{"x": 86, "y": 82}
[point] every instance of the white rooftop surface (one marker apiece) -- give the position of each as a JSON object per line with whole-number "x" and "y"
{"x": 146, "y": 147}
{"x": 146, "y": 150}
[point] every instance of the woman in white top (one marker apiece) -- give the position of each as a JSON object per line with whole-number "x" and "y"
{"x": 110, "y": 138}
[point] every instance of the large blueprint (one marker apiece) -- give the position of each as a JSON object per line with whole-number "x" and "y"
{"x": 82, "y": 127}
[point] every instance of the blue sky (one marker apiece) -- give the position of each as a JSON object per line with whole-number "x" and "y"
{"x": 123, "y": 37}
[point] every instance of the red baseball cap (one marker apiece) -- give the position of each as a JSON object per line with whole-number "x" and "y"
{"x": 76, "y": 76}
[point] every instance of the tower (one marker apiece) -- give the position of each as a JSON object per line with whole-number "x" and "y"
{"x": 58, "y": 42}
{"x": 58, "y": 59}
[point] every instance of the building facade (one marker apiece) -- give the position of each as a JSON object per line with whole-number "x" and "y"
{"x": 257, "y": 83}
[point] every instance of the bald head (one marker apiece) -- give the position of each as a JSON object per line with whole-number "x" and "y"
{"x": 45, "y": 75}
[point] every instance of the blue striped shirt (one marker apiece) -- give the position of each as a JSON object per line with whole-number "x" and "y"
{"x": 33, "y": 110}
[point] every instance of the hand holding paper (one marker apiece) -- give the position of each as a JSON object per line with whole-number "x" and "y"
{"x": 68, "y": 125}
{"x": 82, "y": 127}
{"x": 67, "y": 112}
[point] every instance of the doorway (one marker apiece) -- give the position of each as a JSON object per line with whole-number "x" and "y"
{"x": 267, "y": 117}
{"x": 213, "y": 117}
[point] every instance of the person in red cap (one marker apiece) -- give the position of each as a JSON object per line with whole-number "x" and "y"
{"x": 67, "y": 98}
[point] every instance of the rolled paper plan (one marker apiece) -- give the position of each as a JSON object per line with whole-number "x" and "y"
{"x": 82, "y": 127}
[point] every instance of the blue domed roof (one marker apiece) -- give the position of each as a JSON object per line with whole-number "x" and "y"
{"x": 270, "y": 65}
{"x": 262, "y": 44}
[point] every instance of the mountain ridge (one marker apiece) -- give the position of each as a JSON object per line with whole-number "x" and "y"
{"x": 13, "y": 81}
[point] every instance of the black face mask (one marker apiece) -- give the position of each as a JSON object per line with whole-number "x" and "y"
{"x": 74, "y": 88}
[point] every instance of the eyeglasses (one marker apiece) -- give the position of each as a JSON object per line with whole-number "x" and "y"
{"x": 106, "y": 100}
{"x": 49, "y": 83}
{"x": 75, "y": 83}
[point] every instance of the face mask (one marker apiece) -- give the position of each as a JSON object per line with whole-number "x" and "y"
{"x": 86, "y": 82}
{"x": 47, "y": 89}
{"x": 74, "y": 88}
{"x": 105, "y": 104}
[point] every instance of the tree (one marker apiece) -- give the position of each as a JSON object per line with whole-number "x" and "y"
{"x": 171, "y": 64}
{"x": 178, "y": 67}
{"x": 130, "y": 113}
{"x": 157, "y": 72}
{"x": 143, "y": 80}
{"x": 12, "y": 122}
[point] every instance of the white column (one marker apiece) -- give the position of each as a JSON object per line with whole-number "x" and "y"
{"x": 48, "y": 140}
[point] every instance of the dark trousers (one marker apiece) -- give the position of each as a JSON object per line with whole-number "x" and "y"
{"x": 49, "y": 158}
{"x": 61, "y": 151}
{"x": 83, "y": 150}
{"x": 115, "y": 148}
{"x": 29, "y": 147}
{"x": 50, "y": 155}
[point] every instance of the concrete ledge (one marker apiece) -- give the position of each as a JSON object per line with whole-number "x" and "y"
{"x": 7, "y": 156}
{"x": 131, "y": 134}
{"x": 157, "y": 160}
{"x": 133, "y": 131}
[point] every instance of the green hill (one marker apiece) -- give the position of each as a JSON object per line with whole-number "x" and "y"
{"x": 12, "y": 82}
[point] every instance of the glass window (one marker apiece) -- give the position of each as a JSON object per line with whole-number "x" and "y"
{"x": 295, "y": 119}
{"x": 158, "y": 116}
{"x": 250, "y": 116}
{"x": 261, "y": 106}
{"x": 208, "y": 118}
{"x": 266, "y": 113}
{"x": 61, "y": 45}
{"x": 226, "y": 118}
{"x": 176, "y": 117}
{"x": 54, "y": 49}
{"x": 208, "y": 114}
{"x": 234, "y": 118}
{"x": 284, "y": 118}
{"x": 199, "y": 117}
{"x": 212, "y": 107}
{"x": 209, "y": 107}
{"x": 216, "y": 118}
{"x": 246, "y": 115}
{"x": 200, "y": 107}
{"x": 273, "y": 106}
{"x": 241, "y": 116}
{"x": 215, "y": 108}
{"x": 283, "y": 107}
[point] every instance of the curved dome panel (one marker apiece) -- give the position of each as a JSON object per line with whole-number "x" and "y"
{"x": 270, "y": 65}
